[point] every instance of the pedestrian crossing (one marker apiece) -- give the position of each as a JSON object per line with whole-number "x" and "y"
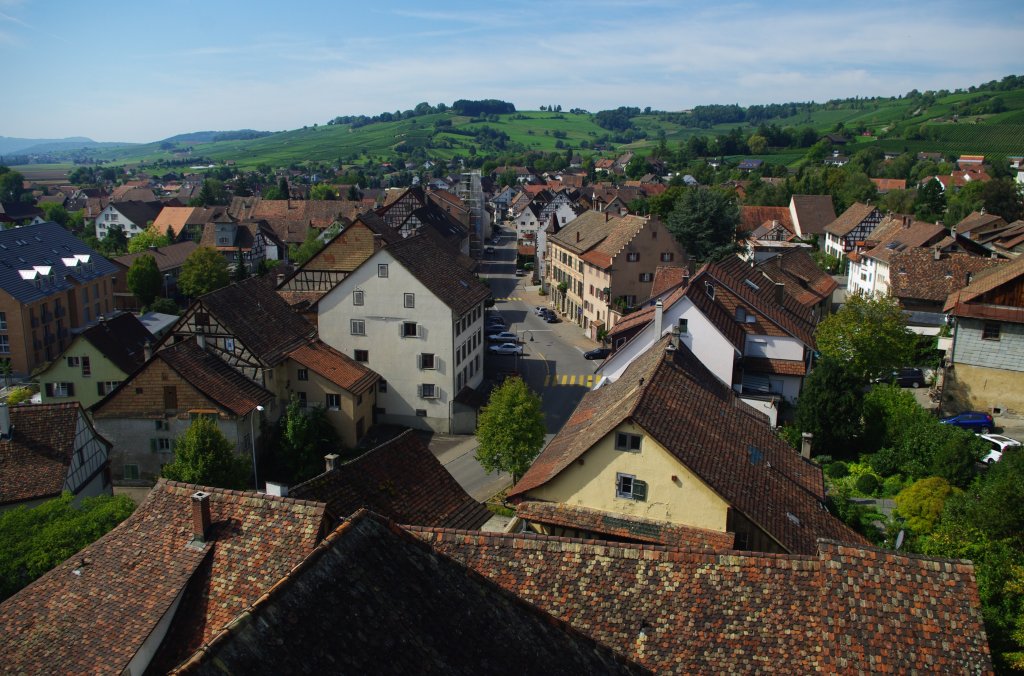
{"x": 570, "y": 380}
{"x": 503, "y": 300}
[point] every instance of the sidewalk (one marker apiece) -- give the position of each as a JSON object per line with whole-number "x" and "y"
{"x": 566, "y": 330}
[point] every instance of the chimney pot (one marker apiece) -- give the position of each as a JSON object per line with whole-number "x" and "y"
{"x": 331, "y": 461}
{"x": 5, "y": 421}
{"x": 806, "y": 440}
{"x": 200, "y": 515}
{"x": 201, "y": 341}
{"x": 278, "y": 489}
{"x": 147, "y": 349}
{"x": 659, "y": 310}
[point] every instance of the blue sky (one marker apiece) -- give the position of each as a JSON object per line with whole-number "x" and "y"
{"x": 141, "y": 71}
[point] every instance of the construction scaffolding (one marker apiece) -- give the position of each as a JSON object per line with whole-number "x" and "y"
{"x": 472, "y": 193}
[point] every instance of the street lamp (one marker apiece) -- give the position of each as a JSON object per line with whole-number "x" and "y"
{"x": 252, "y": 440}
{"x": 167, "y": 277}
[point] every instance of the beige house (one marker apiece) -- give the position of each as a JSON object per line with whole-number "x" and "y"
{"x": 600, "y": 265}
{"x": 669, "y": 443}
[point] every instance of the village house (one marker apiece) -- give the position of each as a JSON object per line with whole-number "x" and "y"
{"x": 50, "y": 284}
{"x": 869, "y": 270}
{"x": 132, "y": 217}
{"x": 414, "y": 314}
{"x": 96, "y": 361}
{"x": 169, "y": 261}
{"x": 49, "y": 449}
{"x": 852, "y": 227}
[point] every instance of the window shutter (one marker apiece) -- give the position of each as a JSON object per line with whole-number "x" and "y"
{"x": 639, "y": 490}
{"x": 71, "y": 389}
{"x": 419, "y": 361}
{"x": 419, "y": 391}
{"x": 99, "y": 389}
{"x": 419, "y": 330}
{"x": 49, "y": 389}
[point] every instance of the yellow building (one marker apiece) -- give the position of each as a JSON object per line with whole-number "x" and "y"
{"x": 668, "y": 443}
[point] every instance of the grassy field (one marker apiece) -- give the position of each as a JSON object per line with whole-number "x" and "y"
{"x": 889, "y": 120}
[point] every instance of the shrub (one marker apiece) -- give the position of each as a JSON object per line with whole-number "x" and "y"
{"x": 921, "y": 504}
{"x": 19, "y": 395}
{"x": 867, "y": 484}
{"x": 839, "y": 469}
{"x": 894, "y": 484}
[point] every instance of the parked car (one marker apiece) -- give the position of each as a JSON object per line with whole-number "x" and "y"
{"x": 551, "y": 318}
{"x": 496, "y": 321}
{"x": 520, "y": 272}
{"x": 503, "y": 337}
{"x": 904, "y": 377}
{"x": 540, "y": 310}
{"x": 597, "y": 353}
{"x": 506, "y": 348}
{"x": 489, "y": 251}
{"x": 972, "y": 420}
{"x": 999, "y": 445}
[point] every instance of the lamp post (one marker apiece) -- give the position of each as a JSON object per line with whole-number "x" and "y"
{"x": 167, "y": 277}
{"x": 252, "y": 440}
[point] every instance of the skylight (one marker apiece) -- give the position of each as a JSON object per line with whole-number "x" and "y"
{"x": 751, "y": 284}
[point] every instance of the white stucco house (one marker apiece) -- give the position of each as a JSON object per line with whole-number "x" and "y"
{"x": 414, "y": 315}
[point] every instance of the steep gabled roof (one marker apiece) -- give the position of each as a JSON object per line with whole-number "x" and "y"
{"x": 849, "y": 219}
{"x": 400, "y": 479}
{"x": 440, "y": 271}
{"x": 335, "y": 366}
{"x": 841, "y": 607}
{"x": 138, "y": 212}
{"x": 35, "y": 460}
{"x": 584, "y": 232}
{"x": 917, "y": 274}
{"x": 167, "y": 257}
{"x": 960, "y": 302}
{"x": 892, "y": 239}
{"x": 804, "y": 280}
{"x": 256, "y": 315}
{"x": 373, "y": 598}
{"x": 667, "y": 277}
{"x": 752, "y": 217}
{"x": 709, "y": 430}
{"x": 81, "y": 618}
{"x": 813, "y": 212}
{"x": 121, "y": 339}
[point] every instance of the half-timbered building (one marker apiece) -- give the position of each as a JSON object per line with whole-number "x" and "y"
{"x": 853, "y": 225}
{"x": 47, "y": 449}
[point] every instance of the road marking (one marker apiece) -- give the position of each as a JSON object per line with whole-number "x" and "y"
{"x": 572, "y": 380}
{"x": 502, "y": 300}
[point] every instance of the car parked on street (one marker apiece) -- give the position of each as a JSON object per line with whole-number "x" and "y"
{"x": 998, "y": 445}
{"x": 520, "y": 272}
{"x": 540, "y": 310}
{"x": 503, "y": 337}
{"x": 904, "y": 377}
{"x": 597, "y": 353}
{"x": 551, "y": 318}
{"x": 506, "y": 348}
{"x": 978, "y": 421}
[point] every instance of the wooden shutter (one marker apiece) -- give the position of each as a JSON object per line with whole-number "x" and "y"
{"x": 49, "y": 389}
{"x": 639, "y": 490}
{"x": 71, "y": 389}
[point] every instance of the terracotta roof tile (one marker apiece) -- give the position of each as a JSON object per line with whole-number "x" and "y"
{"x": 970, "y": 299}
{"x": 804, "y": 280}
{"x": 849, "y": 219}
{"x": 607, "y": 525}
{"x": 752, "y": 217}
{"x": 121, "y": 586}
{"x": 335, "y": 366}
{"x": 779, "y": 367}
{"x": 891, "y": 239}
{"x": 667, "y": 277}
{"x": 440, "y": 271}
{"x": 916, "y": 274}
{"x": 839, "y": 608}
{"x": 374, "y": 598}
{"x": 887, "y": 184}
{"x": 166, "y": 257}
{"x": 400, "y": 479}
{"x": 36, "y": 459}
{"x": 813, "y": 212}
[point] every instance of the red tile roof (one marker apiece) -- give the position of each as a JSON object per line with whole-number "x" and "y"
{"x": 969, "y": 300}
{"x": 838, "y": 608}
{"x": 752, "y": 217}
{"x": 621, "y": 527}
{"x": 35, "y": 460}
{"x": 336, "y": 367}
{"x": 167, "y": 257}
{"x": 813, "y": 212}
{"x": 701, "y": 422}
{"x": 667, "y": 277}
{"x": 779, "y": 367}
{"x": 400, "y": 479}
{"x": 804, "y": 280}
{"x": 92, "y": 613}
{"x": 887, "y": 184}
{"x": 917, "y": 274}
{"x": 849, "y": 219}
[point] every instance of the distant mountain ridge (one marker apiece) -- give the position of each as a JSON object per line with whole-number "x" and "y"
{"x": 213, "y": 136}
{"x": 11, "y": 144}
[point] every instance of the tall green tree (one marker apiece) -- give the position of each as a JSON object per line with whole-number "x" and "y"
{"x": 12, "y": 185}
{"x": 322, "y": 191}
{"x": 306, "y": 435}
{"x": 869, "y": 334}
{"x": 931, "y": 201}
{"x": 203, "y": 455}
{"x": 204, "y": 270}
{"x": 115, "y": 242}
{"x": 55, "y": 212}
{"x": 510, "y": 429}
{"x": 32, "y": 541}
{"x": 830, "y": 407}
{"x": 1005, "y": 198}
{"x": 705, "y": 222}
{"x": 144, "y": 279}
{"x": 147, "y": 238}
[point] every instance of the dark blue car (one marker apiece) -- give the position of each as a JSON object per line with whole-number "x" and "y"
{"x": 972, "y": 420}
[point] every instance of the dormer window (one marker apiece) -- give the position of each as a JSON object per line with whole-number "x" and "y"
{"x": 709, "y": 289}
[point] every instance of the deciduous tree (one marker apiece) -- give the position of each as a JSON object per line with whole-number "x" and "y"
{"x": 704, "y": 220}
{"x": 144, "y": 278}
{"x": 921, "y": 503}
{"x": 205, "y": 270}
{"x": 511, "y": 429}
{"x": 147, "y": 238}
{"x": 868, "y": 334}
{"x": 203, "y": 455}
{"x": 830, "y": 407}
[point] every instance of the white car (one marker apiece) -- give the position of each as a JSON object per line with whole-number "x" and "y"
{"x": 999, "y": 445}
{"x": 503, "y": 337}
{"x": 506, "y": 348}
{"x": 540, "y": 310}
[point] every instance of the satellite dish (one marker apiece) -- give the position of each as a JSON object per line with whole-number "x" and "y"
{"x": 899, "y": 539}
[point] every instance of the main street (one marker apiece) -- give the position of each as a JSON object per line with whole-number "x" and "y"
{"x": 552, "y": 362}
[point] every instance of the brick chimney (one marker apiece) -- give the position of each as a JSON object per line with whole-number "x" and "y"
{"x": 200, "y": 516}
{"x": 331, "y": 461}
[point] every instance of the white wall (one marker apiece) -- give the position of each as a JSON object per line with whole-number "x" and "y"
{"x": 774, "y": 347}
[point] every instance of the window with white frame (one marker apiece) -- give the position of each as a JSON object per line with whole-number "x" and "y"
{"x": 428, "y": 361}
{"x": 3, "y": 321}
{"x": 302, "y": 399}
{"x": 410, "y": 330}
{"x": 333, "y": 402}
{"x": 382, "y": 269}
{"x": 5, "y": 344}
{"x": 428, "y": 391}
{"x": 357, "y": 327}
{"x": 667, "y": 257}
{"x": 646, "y": 276}
{"x": 628, "y": 487}
{"x": 410, "y": 299}
{"x": 624, "y": 441}
{"x": 357, "y": 297}
{"x": 362, "y": 355}
{"x": 105, "y": 387}
{"x": 684, "y": 325}
{"x": 302, "y": 374}
{"x": 131, "y": 472}
{"x": 632, "y": 257}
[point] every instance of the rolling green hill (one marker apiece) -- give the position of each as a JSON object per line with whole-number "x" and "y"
{"x": 988, "y": 119}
